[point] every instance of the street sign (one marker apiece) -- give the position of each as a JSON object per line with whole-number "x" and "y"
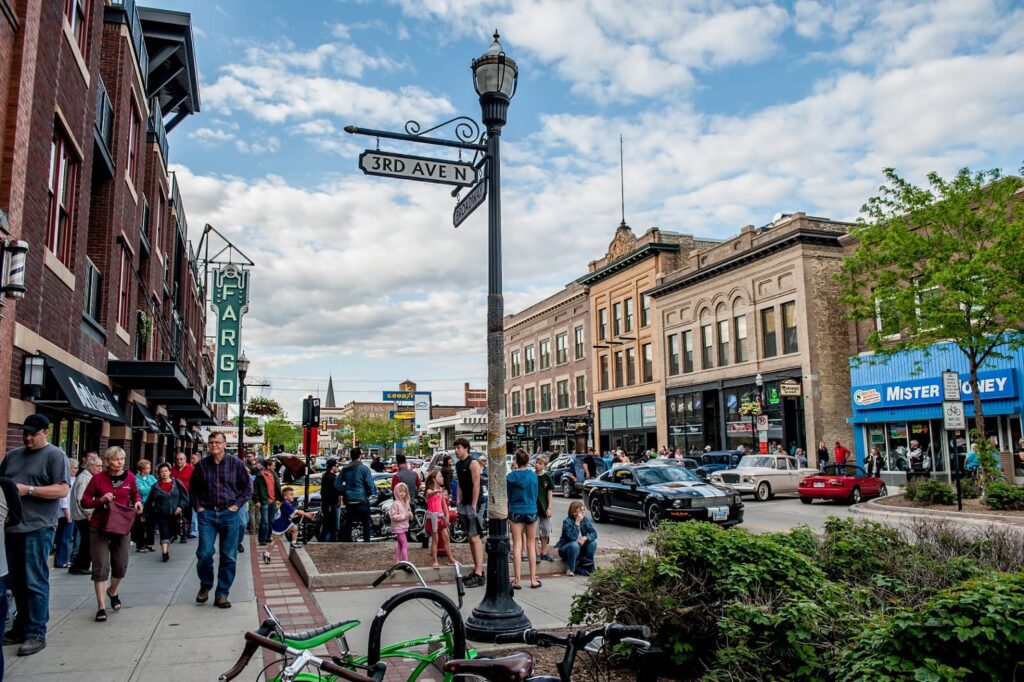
{"x": 953, "y": 417}
{"x": 762, "y": 422}
{"x": 417, "y": 168}
{"x": 950, "y": 387}
{"x": 470, "y": 203}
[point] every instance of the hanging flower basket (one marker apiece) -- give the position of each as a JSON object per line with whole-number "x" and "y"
{"x": 254, "y": 430}
{"x": 750, "y": 408}
{"x": 263, "y": 406}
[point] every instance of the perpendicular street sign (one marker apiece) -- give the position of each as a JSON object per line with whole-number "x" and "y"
{"x": 419, "y": 168}
{"x": 470, "y": 203}
{"x": 953, "y": 416}
{"x": 950, "y": 387}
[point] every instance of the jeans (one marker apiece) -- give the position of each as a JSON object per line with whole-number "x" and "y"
{"x": 214, "y": 524}
{"x": 29, "y": 578}
{"x": 63, "y": 538}
{"x": 83, "y": 557}
{"x": 574, "y": 553}
{"x": 194, "y": 524}
{"x": 3, "y": 615}
{"x": 329, "y": 525}
{"x": 356, "y": 511}
{"x": 243, "y": 522}
{"x": 268, "y": 514}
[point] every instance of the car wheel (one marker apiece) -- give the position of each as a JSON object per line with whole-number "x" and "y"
{"x": 763, "y": 491}
{"x": 653, "y": 515}
{"x": 806, "y": 500}
{"x": 566, "y": 488}
{"x": 883, "y": 491}
{"x": 597, "y": 510}
{"x": 855, "y": 496}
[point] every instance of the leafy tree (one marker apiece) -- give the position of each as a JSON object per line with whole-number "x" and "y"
{"x": 941, "y": 263}
{"x": 377, "y": 431}
{"x": 279, "y": 431}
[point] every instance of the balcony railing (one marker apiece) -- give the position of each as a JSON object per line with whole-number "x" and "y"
{"x": 135, "y": 29}
{"x": 179, "y": 209}
{"x": 104, "y": 114}
{"x": 155, "y": 129}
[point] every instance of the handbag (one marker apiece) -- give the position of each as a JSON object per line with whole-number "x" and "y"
{"x": 119, "y": 519}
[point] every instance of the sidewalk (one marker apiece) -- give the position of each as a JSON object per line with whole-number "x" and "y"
{"x": 159, "y": 634}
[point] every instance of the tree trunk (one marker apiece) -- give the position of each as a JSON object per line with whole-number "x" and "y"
{"x": 979, "y": 415}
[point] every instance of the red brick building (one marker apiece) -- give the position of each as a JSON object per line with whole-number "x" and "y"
{"x": 108, "y": 340}
{"x": 474, "y": 397}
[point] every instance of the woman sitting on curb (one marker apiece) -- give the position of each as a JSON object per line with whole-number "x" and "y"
{"x": 578, "y": 543}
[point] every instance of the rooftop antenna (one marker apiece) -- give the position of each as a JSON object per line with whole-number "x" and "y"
{"x": 622, "y": 181}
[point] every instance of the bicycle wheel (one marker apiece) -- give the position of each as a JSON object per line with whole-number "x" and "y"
{"x": 458, "y": 625}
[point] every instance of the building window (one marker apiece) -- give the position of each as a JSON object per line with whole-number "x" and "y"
{"x": 687, "y": 352}
{"x": 673, "y": 355}
{"x": 629, "y": 314}
{"x": 581, "y": 390}
{"x": 76, "y": 11}
{"x": 515, "y": 364}
{"x": 516, "y": 407}
{"x": 706, "y": 341}
{"x": 630, "y": 366}
{"x": 602, "y": 324}
{"x": 649, "y": 362}
{"x": 740, "y": 327}
{"x": 563, "y": 394}
{"x": 531, "y": 401}
{"x": 545, "y": 398}
{"x": 604, "y": 372}
{"x": 723, "y": 343}
{"x": 134, "y": 126}
{"x": 789, "y": 340}
{"x": 124, "y": 282}
{"x": 617, "y": 319}
{"x": 645, "y": 310}
{"x": 62, "y": 184}
{"x": 93, "y": 288}
{"x": 768, "y": 343}
{"x": 530, "y": 362}
{"x": 886, "y": 320}
{"x": 158, "y": 219}
{"x": 579, "y": 342}
{"x": 545, "y": 353}
{"x": 618, "y": 369}
{"x": 562, "y": 348}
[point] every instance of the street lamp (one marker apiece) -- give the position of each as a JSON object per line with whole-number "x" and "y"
{"x": 495, "y": 77}
{"x": 759, "y": 382}
{"x": 243, "y": 368}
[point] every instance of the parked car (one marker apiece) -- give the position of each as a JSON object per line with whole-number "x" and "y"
{"x": 568, "y": 473}
{"x": 435, "y": 460}
{"x": 654, "y": 493}
{"x": 716, "y": 460}
{"x": 846, "y": 482}
{"x": 764, "y": 476}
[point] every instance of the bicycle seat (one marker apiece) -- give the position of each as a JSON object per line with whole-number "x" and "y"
{"x": 513, "y": 668}
{"x": 316, "y": 632}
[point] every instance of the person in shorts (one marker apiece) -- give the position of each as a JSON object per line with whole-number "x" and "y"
{"x": 467, "y": 472}
{"x": 545, "y": 497}
{"x": 285, "y": 524}
{"x": 522, "y": 516}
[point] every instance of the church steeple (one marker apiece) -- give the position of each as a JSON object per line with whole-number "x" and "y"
{"x": 330, "y": 392}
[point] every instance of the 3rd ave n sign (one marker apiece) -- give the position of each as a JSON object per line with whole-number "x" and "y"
{"x": 417, "y": 168}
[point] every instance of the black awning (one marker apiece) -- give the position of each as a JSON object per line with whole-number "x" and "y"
{"x": 142, "y": 417}
{"x": 168, "y": 427}
{"x": 147, "y": 375}
{"x": 84, "y": 394}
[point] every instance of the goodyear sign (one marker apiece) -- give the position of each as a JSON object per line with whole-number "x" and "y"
{"x": 398, "y": 396}
{"x": 230, "y": 300}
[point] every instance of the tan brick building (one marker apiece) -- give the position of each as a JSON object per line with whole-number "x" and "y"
{"x": 763, "y": 303}
{"x": 547, "y": 375}
{"x": 628, "y": 395}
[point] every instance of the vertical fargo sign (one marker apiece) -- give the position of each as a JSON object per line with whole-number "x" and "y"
{"x": 230, "y": 302}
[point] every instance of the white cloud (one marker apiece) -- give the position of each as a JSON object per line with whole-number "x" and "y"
{"x": 262, "y": 146}
{"x": 211, "y": 137}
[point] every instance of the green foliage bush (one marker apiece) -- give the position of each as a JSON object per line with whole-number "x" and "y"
{"x": 929, "y": 491}
{"x": 1002, "y": 495}
{"x": 728, "y": 605}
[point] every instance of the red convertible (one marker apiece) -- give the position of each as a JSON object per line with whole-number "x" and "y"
{"x": 841, "y": 482}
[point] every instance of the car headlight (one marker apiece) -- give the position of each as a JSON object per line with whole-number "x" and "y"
{"x": 677, "y": 504}
{"x": 748, "y": 479}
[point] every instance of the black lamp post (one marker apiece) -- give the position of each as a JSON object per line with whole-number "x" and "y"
{"x": 495, "y": 77}
{"x": 243, "y": 369}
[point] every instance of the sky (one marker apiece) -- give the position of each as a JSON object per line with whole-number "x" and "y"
{"x": 729, "y": 112}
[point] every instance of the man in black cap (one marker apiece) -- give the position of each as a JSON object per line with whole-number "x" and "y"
{"x": 329, "y": 503}
{"x": 41, "y": 472}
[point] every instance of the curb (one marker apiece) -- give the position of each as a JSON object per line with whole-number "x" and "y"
{"x": 314, "y": 579}
{"x": 875, "y": 509}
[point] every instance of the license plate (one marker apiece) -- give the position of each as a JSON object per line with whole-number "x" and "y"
{"x": 819, "y": 484}
{"x": 719, "y": 513}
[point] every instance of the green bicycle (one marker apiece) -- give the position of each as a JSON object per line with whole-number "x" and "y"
{"x": 449, "y": 644}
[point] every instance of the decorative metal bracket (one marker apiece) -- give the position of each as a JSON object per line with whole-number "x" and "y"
{"x": 466, "y": 129}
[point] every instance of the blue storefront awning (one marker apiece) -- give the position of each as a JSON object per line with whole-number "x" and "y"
{"x": 990, "y": 408}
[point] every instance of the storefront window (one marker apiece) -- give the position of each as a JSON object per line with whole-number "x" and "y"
{"x": 739, "y": 429}
{"x": 686, "y": 423}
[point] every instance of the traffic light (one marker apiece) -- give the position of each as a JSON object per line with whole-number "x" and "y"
{"x": 311, "y": 412}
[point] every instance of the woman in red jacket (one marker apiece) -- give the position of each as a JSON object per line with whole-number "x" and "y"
{"x": 113, "y": 485}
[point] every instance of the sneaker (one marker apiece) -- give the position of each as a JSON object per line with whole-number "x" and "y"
{"x": 475, "y": 580}
{"x": 582, "y": 571}
{"x": 221, "y": 602}
{"x": 266, "y": 557}
{"x": 31, "y": 646}
{"x": 547, "y": 557}
{"x": 241, "y": 548}
{"x": 183, "y": 539}
{"x": 202, "y": 595}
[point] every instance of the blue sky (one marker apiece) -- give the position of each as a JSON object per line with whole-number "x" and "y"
{"x": 730, "y": 111}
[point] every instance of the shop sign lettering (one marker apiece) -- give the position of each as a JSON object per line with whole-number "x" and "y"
{"x": 230, "y": 302}
{"x": 992, "y": 385}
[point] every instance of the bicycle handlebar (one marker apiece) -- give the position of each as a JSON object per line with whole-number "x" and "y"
{"x": 254, "y": 640}
{"x": 613, "y": 632}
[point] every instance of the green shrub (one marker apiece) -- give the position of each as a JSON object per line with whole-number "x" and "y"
{"x": 1002, "y": 495}
{"x": 929, "y": 491}
{"x": 971, "y": 632}
{"x": 970, "y": 489}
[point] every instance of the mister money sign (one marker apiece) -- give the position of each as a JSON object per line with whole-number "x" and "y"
{"x": 230, "y": 302}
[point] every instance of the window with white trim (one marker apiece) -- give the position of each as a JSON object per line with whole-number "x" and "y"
{"x": 62, "y": 188}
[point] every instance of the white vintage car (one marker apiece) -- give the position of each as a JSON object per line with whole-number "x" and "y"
{"x": 764, "y": 476}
